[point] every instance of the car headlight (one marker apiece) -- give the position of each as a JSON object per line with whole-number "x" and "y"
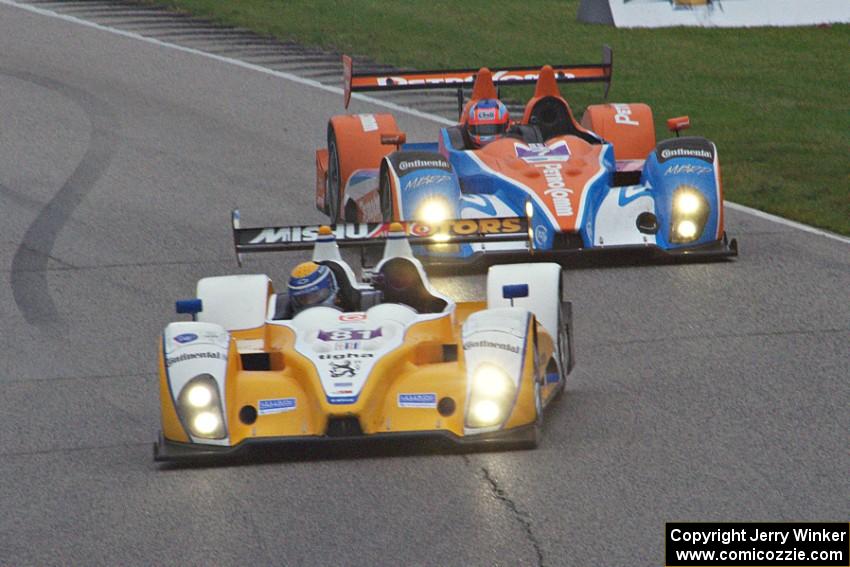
{"x": 433, "y": 210}
{"x": 690, "y": 213}
{"x": 491, "y": 396}
{"x": 199, "y": 405}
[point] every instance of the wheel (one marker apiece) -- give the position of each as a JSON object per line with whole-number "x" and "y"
{"x": 563, "y": 340}
{"x": 533, "y": 438}
{"x": 385, "y": 192}
{"x": 333, "y": 193}
{"x": 538, "y": 402}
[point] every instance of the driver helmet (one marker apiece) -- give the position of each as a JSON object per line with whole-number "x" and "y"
{"x": 488, "y": 120}
{"x": 312, "y": 284}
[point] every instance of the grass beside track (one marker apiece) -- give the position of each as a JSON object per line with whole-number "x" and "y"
{"x": 774, "y": 100}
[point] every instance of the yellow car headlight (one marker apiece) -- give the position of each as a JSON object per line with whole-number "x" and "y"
{"x": 199, "y": 395}
{"x": 690, "y": 213}
{"x": 200, "y": 410}
{"x": 687, "y": 203}
{"x": 485, "y": 412}
{"x": 205, "y": 423}
{"x": 433, "y": 210}
{"x": 491, "y": 381}
{"x": 686, "y": 230}
{"x": 491, "y": 396}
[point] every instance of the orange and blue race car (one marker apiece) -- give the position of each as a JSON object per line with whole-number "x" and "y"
{"x": 392, "y": 359}
{"x": 601, "y": 185}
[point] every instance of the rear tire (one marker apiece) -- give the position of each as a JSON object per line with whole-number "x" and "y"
{"x": 333, "y": 192}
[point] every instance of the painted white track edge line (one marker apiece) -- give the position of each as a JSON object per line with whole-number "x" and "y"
{"x": 237, "y": 62}
{"x": 786, "y": 222}
{"x": 358, "y": 96}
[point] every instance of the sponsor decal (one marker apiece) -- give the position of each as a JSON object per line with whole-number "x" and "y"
{"x": 368, "y": 122}
{"x": 349, "y": 334}
{"x": 352, "y": 317}
{"x": 685, "y": 148}
{"x": 279, "y": 405}
{"x": 498, "y": 76}
{"x": 343, "y": 356}
{"x": 343, "y": 384}
{"x": 417, "y": 400}
{"x": 490, "y": 344}
{"x": 687, "y": 168}
{"x": 186, "y": 338}
{"x": 559, "y": 192}
{"x": 624, "y": 115}
{"x": 425, "y": 180}
{"x": 541, "y": 153}
{"x": 540, "y": 234}
{"x": 342, "y": 400}
{"x": 347, "y": 345}
{"x": 172, "y": 360}
{"x": 364, "y": 231}
{"x": 472, "y": 226}
{"x": 686, "y": 152}
{"x": 486, "y": 114}
{"x": 405, "y": 165}
{"x": 348, "y": 231}
{"x": 345, "y": 369}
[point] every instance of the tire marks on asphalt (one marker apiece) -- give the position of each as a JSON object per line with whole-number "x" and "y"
{"x": 29, "y": 264}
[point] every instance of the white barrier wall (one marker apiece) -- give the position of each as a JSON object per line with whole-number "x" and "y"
{"x": 714, "y": 13}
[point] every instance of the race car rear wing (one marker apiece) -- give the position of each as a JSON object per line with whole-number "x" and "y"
{"x": 458, "y": 78}
{"x": 304, "y": 237}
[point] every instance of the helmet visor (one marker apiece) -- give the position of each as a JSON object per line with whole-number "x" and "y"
{"x": 312, "y": 296}
{"x": 487, "y": 129}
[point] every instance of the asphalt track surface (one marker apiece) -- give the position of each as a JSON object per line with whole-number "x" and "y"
{"x": 704, "y": 392}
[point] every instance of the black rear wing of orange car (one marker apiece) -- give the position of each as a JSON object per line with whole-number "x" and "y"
{"x": 305, "y": 237}
{"x": 460, "y": 78}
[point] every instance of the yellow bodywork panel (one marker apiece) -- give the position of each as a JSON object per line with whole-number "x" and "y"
{"x": 429, "y": 361}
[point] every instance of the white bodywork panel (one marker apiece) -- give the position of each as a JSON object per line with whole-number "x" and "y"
{"x": 543, "y": 282}
{"x": 495, "y": 337}
{"x": 192, "y": 348}
{"x": 344, "y": 347}
{"x": 234, "y": 302}
{"x": 616, "y": 223}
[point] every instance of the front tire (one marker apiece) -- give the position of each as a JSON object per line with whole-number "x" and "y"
{"x": 332, "y": 195}
{"x": 564, "y": 337}
{"x": 385, "y": 191}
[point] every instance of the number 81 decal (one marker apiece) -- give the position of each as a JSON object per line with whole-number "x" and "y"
{"x": 349, "y": 334}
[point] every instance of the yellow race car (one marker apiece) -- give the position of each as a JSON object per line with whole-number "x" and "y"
{"x": 412, "y": 365}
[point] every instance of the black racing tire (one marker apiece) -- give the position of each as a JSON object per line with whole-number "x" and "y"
{"x": 564, "y": 350}
{"x": 385, "y": 192}
{"x": 332, "y": 195}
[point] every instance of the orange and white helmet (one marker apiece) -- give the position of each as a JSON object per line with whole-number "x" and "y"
{"x": 488, "y": 120}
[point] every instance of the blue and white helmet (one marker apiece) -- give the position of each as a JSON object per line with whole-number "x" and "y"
{"x": 311, "y": 284}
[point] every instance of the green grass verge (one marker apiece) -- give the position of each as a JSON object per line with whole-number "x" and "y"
{"x": 774, "y": 100}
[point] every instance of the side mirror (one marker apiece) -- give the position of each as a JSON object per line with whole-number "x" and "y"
{"x": 393, "y": 139}
{"x": 190, "y": 306}
{"x": 678, "y": 124}
{"x": 514, "y": 291}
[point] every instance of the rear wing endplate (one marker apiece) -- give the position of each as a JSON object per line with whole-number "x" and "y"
{"x": 304, "y": 237}
{"x": 459, "y": 78}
